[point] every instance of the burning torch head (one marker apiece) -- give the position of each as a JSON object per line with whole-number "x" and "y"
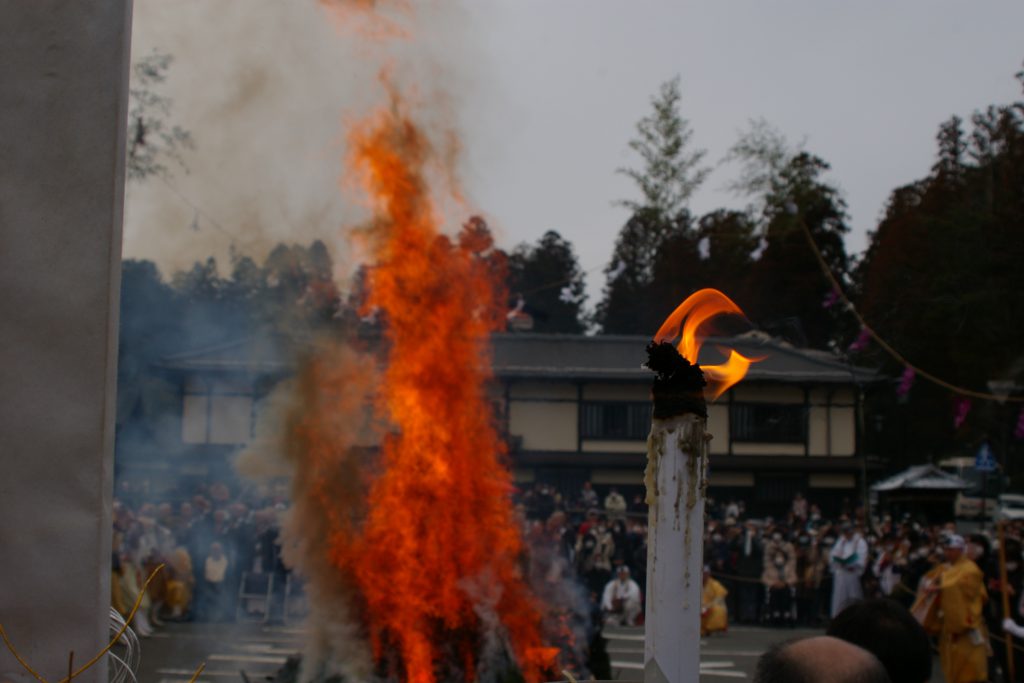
{"x": 678, "y": 385}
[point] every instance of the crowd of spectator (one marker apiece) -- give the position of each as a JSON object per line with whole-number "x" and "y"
{"x": 206, "y": 541}
{"x": 797, "y": 569}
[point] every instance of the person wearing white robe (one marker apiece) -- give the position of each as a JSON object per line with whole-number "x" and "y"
{"x": 621, "y": 599}
{"x": 848, "y": 560}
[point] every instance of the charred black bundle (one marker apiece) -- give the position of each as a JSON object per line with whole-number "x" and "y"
{"x": 678, "y": 384}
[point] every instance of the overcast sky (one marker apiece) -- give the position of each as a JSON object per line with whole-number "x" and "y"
{"x": 546, "y": 94}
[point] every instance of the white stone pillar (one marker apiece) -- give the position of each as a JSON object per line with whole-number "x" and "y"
{"x": 63, "y": 96}
{"x": 676, "y": 485}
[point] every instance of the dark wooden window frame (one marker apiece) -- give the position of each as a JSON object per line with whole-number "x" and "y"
{"x": 752, "y": 422}
{"x": 615, "y": 420}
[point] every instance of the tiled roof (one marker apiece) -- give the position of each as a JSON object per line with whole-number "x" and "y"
{"x": 619, "y": 357}
{"x": 558, "y": 356}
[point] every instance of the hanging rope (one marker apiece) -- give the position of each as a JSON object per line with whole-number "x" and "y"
{"x": 934, "y": 379}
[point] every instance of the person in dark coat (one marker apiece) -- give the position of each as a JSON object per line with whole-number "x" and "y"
{"x": 749, "y": 552}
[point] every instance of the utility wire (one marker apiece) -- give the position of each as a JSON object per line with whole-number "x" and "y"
{"x": 235, "y": 239}
{"x": 563, "y": 281}
{"x": 194, "y": 206}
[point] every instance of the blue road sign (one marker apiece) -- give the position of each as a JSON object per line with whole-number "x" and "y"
{"x": 984, "y": 461}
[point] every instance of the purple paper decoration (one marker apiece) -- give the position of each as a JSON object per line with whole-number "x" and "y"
{"x": 906, "y": 382}
{"x": 961, "y": 407}
{"x": 1018, "y": 433}
{"x": 861, "y": 342}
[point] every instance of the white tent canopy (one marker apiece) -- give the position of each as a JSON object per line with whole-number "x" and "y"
{"x": 921, "y": 478}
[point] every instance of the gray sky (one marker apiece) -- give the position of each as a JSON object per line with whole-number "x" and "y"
{"x": 546, "y": 95}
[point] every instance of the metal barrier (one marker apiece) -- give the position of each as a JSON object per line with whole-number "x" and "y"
{"x": 255, "y": 592}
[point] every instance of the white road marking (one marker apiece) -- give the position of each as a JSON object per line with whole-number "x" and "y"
{"x": 258, "y": 659}
{"x": 255, "y": 638}
{"x": 297, "y": 630}
{"x": 186, "y": 675}
{"x": 266, "y": 648}
{"x": 706, "y": 668}
{"x": 723, "y": 674}
{"x": 626, "y": 665}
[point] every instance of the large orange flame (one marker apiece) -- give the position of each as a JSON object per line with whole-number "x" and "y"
{"x": 436, "y": 559}
{"x": 685, "y": 323}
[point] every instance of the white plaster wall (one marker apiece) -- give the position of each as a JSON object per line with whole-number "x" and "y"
{"x": 844, "y": 430}
{"x": 767, "y": 449}
{"x": 544, "y": 426}
{"x": 817, "y": 430}
{"x": 63, "y": 95}
{"x": 831, "y": 481}
{"x": 718, "y": 427}
{"x": 729, "y": 478}
{"x": 601, "y": 446}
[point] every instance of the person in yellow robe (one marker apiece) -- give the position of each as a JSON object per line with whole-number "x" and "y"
{"x": 180, "y": 583}
{"x": 714, "y": 615}
{"x": 963, "y": 637}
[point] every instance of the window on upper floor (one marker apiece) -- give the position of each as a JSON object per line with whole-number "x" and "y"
{"x": 618, "y": 421}
{"x": 217, "y": 411}
{"x": 768, "y": 423}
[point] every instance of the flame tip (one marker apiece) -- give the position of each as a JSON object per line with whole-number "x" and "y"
{"x": 685, "y": 323}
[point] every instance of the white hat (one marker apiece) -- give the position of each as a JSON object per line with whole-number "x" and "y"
{"x": 956, "y": 541}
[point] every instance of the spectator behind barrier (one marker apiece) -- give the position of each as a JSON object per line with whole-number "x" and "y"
{"x": 888, "y": 631}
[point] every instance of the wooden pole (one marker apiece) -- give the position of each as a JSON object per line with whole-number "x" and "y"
{"x": 1005, "y": 593}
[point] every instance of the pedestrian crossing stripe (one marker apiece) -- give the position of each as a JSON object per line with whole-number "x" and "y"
{"x": 187, "y": 675}
{"x": 258, "y": 659}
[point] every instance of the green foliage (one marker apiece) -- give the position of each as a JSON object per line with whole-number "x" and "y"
{"x": 787, "y": 279}
{"x": 942, "y": 278}
{"x": 291, "y": 293}
{"x": 150, "y": 329}
{"x": 763, "y": 153}
{"x": 671, "y": 172}
{"x": 654, "y": 265}
{"x": 152, "y": 140}
{"x": 730, "y": 240}
{"x": 548, "y": 276}
{"x": 761, "y": 259}
{"x": 785, "y": 286}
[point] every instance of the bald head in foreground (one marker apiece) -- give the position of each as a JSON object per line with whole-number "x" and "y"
{"x": 822, "y": 659}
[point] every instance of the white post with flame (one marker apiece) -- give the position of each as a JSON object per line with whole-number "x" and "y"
{"x": 676, "y": 480}
{"x": 676, "y": 484}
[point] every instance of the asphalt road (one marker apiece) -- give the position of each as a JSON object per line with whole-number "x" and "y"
{"x": 172, "y": 654}
{"x": 729, "y": 656}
